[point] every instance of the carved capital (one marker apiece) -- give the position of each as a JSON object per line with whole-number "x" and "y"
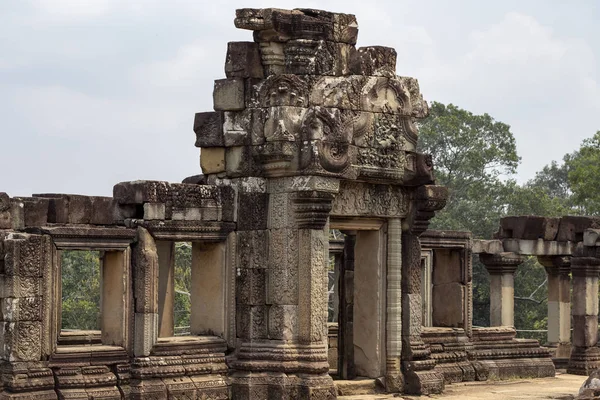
{"x": 312, "y": 209}
{"x": 556, "y": 265}
{"x": 501, "y": 263}
{"x": 585, "y": 266}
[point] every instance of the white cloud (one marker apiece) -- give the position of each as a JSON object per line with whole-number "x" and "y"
{"x": 523, "y": 74}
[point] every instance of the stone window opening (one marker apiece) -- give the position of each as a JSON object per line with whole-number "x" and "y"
{"x": 190, "y": 289}
{"x": 443, "y": 288}
{"x": 92, "y": 294}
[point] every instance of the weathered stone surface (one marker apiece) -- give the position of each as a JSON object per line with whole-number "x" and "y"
{"x": 571, "y": 228}
{"x": 237, "y": 128}
{"x": 529, "y": 228}
{"x": 228, "y": 95}
{"x": 317, "y": 57}
{"x": 283, "y": 25}
{"x": 278, "y": 90}
{"x": 239, "y": 162}
{"x": 252, "y": 249}
{"x": 252, "y": 322}
{"x": 254, "y": 209}
{"x": 212, "y": 160}
{"x": 154, "y": 211}
{"x": 374, "y": 61}
{"x": 448, "y": 305}
{"x": 251, "y": 286}
{"x": 283, "y": 322}
{"x": 35, "y": 211}
{"x": 243, "y": 60}
{"x": 5, "y": 206}
{"x": 208, "y": 127}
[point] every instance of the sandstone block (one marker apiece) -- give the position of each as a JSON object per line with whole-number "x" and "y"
{"x": 21, "y": 309}
{"x": 250, "y": 286}
{"x": 208, "y": 127}
{"x": 585, "y": 330}
{"x": 5, "y": 206}
{"x": 148, "y": 389}
{"x": 212, "y": 160}
{"x": 282, "y": 286}
{"x": 252, "y": 211}
{"x": 284, "y": 123}
{"x": 180, "y": 388}
{"x": 571, "y": 228}
{"x": 146, "y": 333}
{"x": 154, "y": 211}
{"x": 21, "y": 340}
{"x": 317, "y": 57}
{"x": 529, "y": 227}
{"x": 17, "y": 213}
{"x": 239, "y": 162}
{"x": 243, "y": 60}
{"x": 237, "y": 126}
{"x": 228, "y": 95}
{"x": 279, "y": 90}
{"x": 26, "y": 255}
{"x": 448, "y": 305}
{"x": 385, "y": 95}
{"x": 103, "y": 211}
{"x": 252, "y": 249}
{"x": 283, "y": 322}
{"x": 251, "y": 322}
{"x": 35, "y": 211}
{"x": 80, "y": 209}
{"x": 17, "y": 286}
{"x": 338, "y": 92}
{"x": 228, "y": 208}
{"x": 374, "y": 61}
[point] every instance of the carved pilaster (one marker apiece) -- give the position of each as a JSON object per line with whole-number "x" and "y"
{"x": 417, "y": 365}
{"x": 394, "y": 380}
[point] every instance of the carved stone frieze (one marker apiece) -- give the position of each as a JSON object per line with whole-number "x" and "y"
{"x": 362, "y": 199}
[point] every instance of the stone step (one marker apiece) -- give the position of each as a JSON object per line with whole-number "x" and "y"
{"x": 356, "y": 387}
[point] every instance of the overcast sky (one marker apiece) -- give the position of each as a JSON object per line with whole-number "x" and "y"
{"x": 94, "y": 92}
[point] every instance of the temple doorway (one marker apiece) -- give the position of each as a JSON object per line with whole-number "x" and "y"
{"x": 356, "y": 320}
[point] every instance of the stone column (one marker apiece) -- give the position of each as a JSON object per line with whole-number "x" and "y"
{"x": 502, "y": 267}
{"x": 281, "y": 291}
{"x": 393, "y": 376}
{"x": 585, "y": 356}
{"x": 559, "y": 305}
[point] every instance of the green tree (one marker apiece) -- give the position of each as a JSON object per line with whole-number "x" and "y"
{"x": 472, "y": 154}
{"x": 583, "y": 169}
{"x": 80, "y": 289}
{"x": 476, "y": 157}
{"x": 183, "y": 285}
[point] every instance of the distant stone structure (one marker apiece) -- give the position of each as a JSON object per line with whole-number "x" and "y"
{"x": 309, "y": 135}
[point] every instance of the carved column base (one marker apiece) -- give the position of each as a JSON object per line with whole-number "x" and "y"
{"x": 584, "y": 360}
{"x": 560, "y": 352}
{"x": 421, "y": 379}
{"x": 394, "y": 381}
{"x": 277, "y": 385}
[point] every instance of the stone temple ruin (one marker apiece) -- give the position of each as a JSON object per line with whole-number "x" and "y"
{"x": 309, "y": 135}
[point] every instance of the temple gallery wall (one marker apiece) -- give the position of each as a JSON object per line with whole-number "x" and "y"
{"x": 311, "y": 262}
